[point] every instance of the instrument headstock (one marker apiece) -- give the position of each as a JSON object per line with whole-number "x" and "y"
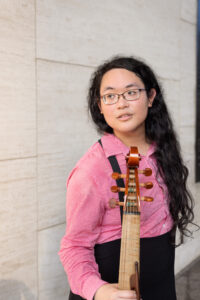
{"x": 131, "y": 191}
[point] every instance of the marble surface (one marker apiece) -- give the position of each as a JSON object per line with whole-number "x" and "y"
{"x": 187, "y": 282}
{"x": 171, "y": 92}
{"x": 53, "y": 280}
{"x": 188, "y": 11}
{"x": 52, "y": 177}
{"x": 17, "y": 83}
{"x": 64, "y": 134}
{"x": 188, "y": 74}
{"x": 62, "y": 108}
{"x": 17, "y": 30}
{"x": 18, "y": 237}
{"x": 85, "y": 33}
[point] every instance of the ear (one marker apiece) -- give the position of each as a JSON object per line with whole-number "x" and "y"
{"x": 152, "y": 96}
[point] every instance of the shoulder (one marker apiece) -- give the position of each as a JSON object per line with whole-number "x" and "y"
{"x": 91, "y": 165}
{"x": 93, "y": 160}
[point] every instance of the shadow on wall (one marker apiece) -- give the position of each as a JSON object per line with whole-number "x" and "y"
{"x": 15, "y": 290}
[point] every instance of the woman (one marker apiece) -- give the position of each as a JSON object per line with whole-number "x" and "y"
{"x": 126, "y": 104}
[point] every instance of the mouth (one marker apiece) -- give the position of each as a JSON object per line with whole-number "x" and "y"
{"x": 124, "y": 117}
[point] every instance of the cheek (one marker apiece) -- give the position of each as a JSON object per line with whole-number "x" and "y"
{"x": 108, "y": 114}
{"x": 107, "y": 110}
{"x": 142, "y": 107}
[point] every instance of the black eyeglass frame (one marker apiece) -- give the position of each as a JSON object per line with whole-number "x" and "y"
{"x": 122, "y": 94}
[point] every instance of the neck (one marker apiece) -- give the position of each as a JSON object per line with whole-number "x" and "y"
{"x": 139, "y": 140}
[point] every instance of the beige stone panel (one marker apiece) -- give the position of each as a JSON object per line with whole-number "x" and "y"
{"x": 189, "y": 11}
{"x": 187, "y": 102}
{"x": 160, "y": 31}
{"x": 171, "y": 92}
{"x": 53, "y": 170}
{"x": 18, "y": 238}
{"x": 188, "y": 50}
{"x": 17, "y": 30}
{"x": 18, "y": 109}
{"x": 197, "y": 204}
{"x": 187, "y": 135}
{"x": 17, "y": 84}
{"x": 84, "y": 32}
{"x": 188, "y": 74}
{"x": 64, "y": 134}
{"x": 187, "y": 138}
{"x": 188, "y": 150}
{"x": 17, "y": 170}
{"x": 52, "y": 278}
{"x": 62, "y": 109}
{"x": 187, "y": 141}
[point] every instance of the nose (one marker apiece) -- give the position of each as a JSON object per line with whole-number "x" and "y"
{"x": 121, "y": 103}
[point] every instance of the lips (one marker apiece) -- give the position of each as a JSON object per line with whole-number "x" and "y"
{"x": 124, "y": 117}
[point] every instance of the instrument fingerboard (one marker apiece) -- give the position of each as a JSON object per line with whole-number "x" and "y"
{"x": 130, "y": 249}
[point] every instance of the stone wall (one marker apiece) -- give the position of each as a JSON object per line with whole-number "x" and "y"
{"x": 48, "y": 51}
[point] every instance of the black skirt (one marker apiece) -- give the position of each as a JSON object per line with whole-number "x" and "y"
{"x": 156, "y": 266}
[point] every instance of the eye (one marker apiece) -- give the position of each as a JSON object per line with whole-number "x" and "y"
{"x": 132, "y": 92}
{"x": 110, "y": 96}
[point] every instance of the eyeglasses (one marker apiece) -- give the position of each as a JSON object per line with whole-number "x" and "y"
{"x": 130, "y": 95}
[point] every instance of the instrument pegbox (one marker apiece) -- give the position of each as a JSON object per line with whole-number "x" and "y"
{"x": 146, "y": 185}
{"x": 115, "y": 189}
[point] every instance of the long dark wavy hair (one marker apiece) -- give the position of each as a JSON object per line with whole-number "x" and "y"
{"x": 159, "y": 129}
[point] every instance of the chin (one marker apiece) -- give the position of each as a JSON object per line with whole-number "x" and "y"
{"x": 128, "y": 130}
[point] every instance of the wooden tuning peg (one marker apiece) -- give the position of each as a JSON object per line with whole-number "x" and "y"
{"x": 146, "y": 172}
{"x": 113, "y": 203}
{"x": 116, "y": 189}
{"x": 147, "y": 185}
{"x": 147, "y": 199}
{"x": 118, "y": 175}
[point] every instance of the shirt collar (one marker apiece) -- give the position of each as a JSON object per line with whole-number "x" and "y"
{"x": 113, "y": 146}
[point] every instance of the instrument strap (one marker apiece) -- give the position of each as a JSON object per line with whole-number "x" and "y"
{"x": 120, "y": 182}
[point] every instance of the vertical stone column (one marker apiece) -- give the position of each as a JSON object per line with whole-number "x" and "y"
{"x": 18, "y": 230}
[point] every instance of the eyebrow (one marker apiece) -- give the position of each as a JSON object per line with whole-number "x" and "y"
{"x": 127, "y": 86}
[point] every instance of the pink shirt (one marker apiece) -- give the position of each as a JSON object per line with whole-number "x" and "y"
{"x": 91, "y": 221}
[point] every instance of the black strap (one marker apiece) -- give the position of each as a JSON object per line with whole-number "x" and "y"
{"x": 120, "y": 182}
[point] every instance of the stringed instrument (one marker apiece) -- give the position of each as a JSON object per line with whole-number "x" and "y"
{"x": 130, "y": 240}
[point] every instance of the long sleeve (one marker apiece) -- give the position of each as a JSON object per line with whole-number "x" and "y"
{"x": 84, "y": 211}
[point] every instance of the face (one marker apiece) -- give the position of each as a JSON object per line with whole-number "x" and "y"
{"x": 125, "y": 117}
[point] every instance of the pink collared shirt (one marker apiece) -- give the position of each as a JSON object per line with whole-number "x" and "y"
{"x": 91, "y": 221}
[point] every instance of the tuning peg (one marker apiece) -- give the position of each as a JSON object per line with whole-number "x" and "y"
{"x": 146, "y": 172}
{"x": 147, "y": 199}
{"x": 118, "y": 175}
{"x": 113, "y": 203}
{"x": 116, "y": 189}
{"x": 147, "y": 185}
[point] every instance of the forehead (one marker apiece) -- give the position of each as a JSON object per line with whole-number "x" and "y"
{"x": 119, "y": 79}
